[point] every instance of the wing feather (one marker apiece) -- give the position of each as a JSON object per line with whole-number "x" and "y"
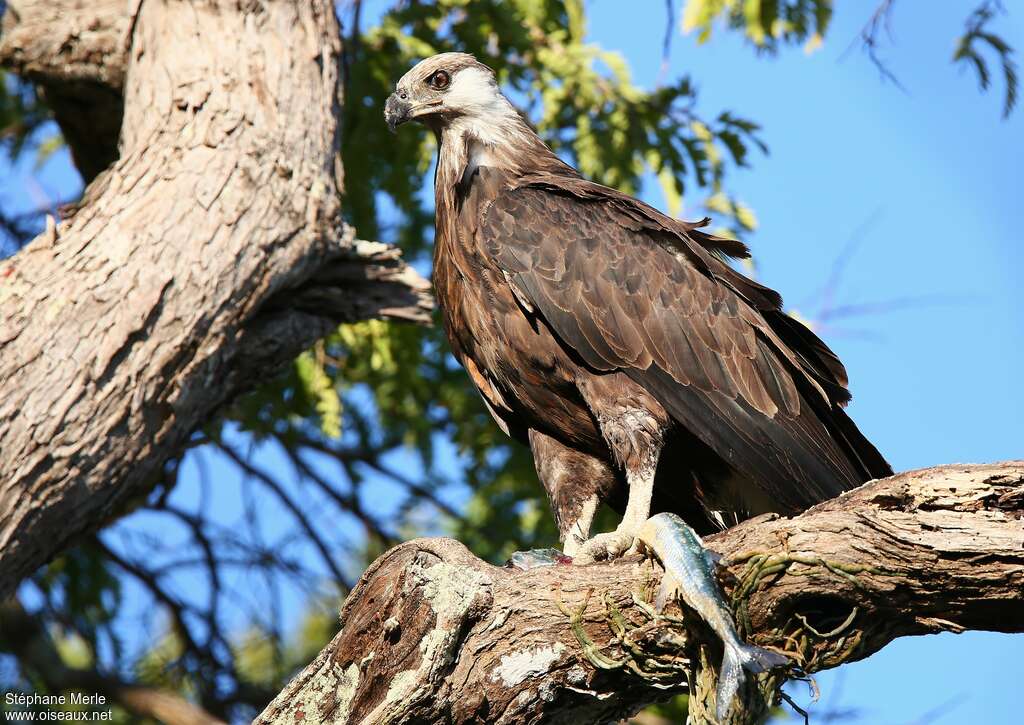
{"x": 627, "y": 289}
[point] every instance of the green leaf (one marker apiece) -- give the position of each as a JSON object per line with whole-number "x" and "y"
{"x": 318, "y": 386}
{"x": 47, "y": 148}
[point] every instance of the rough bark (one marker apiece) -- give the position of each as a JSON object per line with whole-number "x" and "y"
{"x": 77, "y": 51}
{"x": 210, "y": 253}
{"x": 433, "y": 634}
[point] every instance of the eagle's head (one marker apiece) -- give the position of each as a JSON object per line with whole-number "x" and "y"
{"x": 458, "y": 98}
{"x": 445, "y": 88}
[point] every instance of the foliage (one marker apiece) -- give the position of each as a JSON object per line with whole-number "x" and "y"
{"x": 766, "y": 23}
{"x": 21, "y": 115}
{"x": 978, "y": 32}
{"x": 770, "y": 24}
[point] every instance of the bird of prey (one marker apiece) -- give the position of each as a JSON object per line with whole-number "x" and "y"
{"x": 642, "y": 369}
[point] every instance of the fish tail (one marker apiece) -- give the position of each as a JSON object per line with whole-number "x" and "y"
{"x": 731, "y": 676}
{"x": 758, "y": 659}
{"x": 736, "y": 662}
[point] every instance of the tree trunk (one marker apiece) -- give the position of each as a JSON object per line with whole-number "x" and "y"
{"x": 433, "y": 634}
{"x": 208, "y": 255}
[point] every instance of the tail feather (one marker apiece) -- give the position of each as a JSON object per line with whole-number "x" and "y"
{"x": 861, "y": 450}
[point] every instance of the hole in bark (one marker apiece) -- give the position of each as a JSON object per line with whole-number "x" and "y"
{"x": 824, "y": 613}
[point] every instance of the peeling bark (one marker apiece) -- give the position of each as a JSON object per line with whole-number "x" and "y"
{"x": 210, "y": 253}
{"x": 433, "y": 634}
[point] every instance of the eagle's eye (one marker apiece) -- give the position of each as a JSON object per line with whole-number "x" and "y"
{"x": 439, "y": 80}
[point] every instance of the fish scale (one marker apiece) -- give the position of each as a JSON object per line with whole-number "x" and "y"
{"x": 690, "y": 575}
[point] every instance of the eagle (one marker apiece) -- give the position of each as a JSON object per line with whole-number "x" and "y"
{"x": 643, "y": 370}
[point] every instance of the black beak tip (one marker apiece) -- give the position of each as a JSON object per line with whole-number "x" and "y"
{"x": 396, "y": 112}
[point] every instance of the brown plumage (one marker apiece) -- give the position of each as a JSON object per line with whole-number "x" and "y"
{"x": 642, "y": 369}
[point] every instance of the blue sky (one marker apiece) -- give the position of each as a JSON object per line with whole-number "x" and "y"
{"x": 927, "y": 183}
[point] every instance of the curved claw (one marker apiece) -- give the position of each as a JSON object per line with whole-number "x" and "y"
{"x": 604, "y": 547}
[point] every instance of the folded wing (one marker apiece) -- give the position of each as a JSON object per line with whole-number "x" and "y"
{"x": 627, "y": 288}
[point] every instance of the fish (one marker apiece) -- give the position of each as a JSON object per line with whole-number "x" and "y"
{"x": 534, "y": 558}
{"x": 690, "y": 575}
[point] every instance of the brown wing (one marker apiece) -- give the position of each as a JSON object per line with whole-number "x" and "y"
{"x": 625, "y": 291}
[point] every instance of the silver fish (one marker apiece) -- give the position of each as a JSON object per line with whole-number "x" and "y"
{"x": 690, "y": 574}
{"x": 536, "y": 557}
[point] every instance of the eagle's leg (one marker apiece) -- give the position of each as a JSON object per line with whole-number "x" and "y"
{"x": 575, "y": 482}
{"x": 579, "y": 530}
{"x": 623, "y": 540}
{"x": 632, "y": 424}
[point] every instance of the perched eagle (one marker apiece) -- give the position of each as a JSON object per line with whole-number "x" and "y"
{"x": 642, "y": 369}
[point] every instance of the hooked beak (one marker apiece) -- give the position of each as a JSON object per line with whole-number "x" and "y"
{"x": 397, "y": 111}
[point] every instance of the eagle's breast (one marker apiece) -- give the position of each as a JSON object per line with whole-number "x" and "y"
{"x": 521, "y": 370}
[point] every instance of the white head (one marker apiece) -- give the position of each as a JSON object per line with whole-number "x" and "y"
{"x": 458, "y": 98}
{"x": 452, "y": 89}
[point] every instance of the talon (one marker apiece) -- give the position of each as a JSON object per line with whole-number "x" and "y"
{"x": 605, "y": 547}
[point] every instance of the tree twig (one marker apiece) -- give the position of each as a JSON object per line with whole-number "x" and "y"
{"x": 880, "y": 22}
{"x": 23, "y": 635}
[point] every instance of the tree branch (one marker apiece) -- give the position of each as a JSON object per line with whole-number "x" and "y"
{"x": 207, "y": 256}
{"x": 77, "y": 53}
{"x": 23, "y": 635}
{"x": 431, "y": 633}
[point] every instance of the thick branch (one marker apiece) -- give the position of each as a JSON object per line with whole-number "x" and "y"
{"x": 76, "y": 51}
{"x": 208, "y": 255}
{"x": 433, "y": 634}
